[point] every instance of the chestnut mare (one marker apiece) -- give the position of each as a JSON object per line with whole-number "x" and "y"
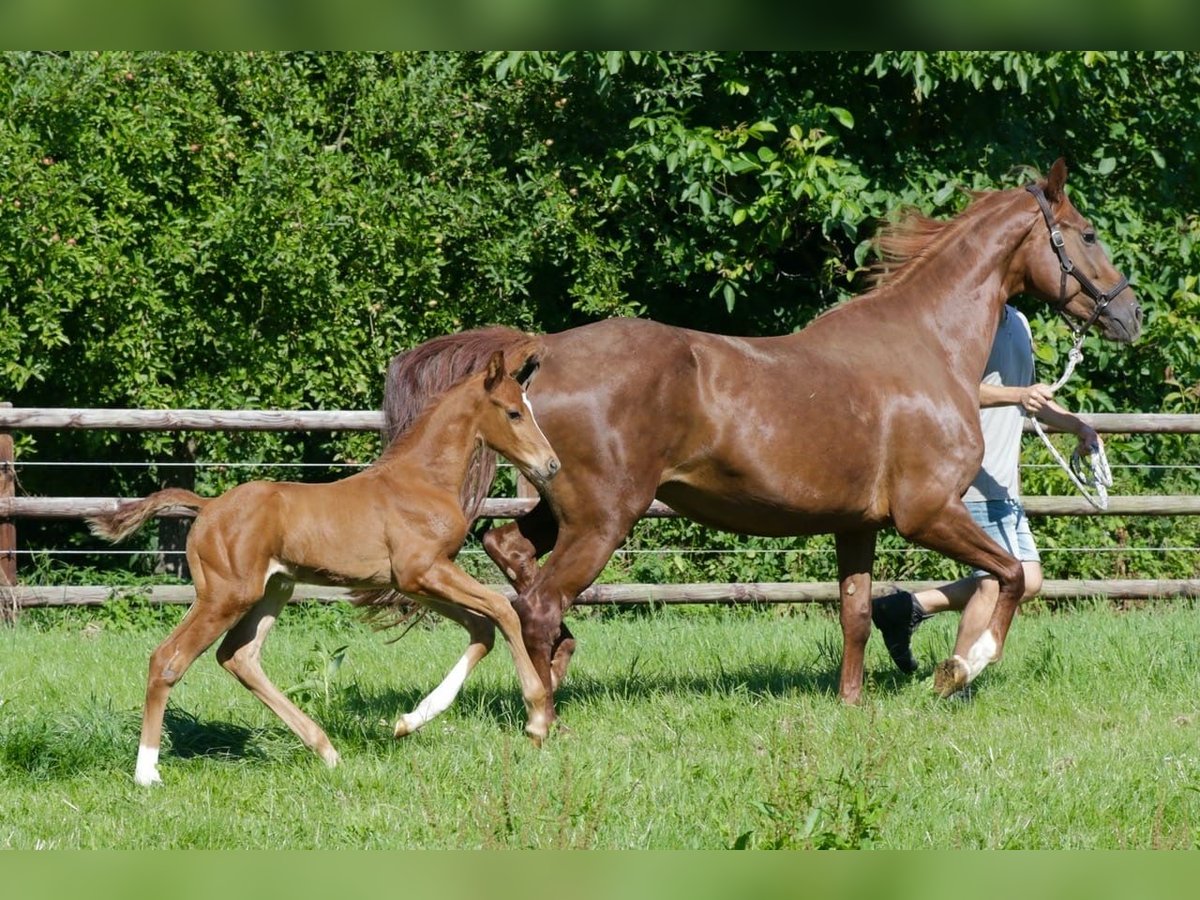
{"x": 867, "y": 417}
{"x": 397, "y": 524}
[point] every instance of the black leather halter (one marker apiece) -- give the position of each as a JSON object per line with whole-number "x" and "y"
{"x": 1101, "y": 298}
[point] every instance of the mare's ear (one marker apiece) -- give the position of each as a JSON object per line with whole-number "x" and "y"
{"x": 495, "y": 371}
{"x": 1056, "y": 180}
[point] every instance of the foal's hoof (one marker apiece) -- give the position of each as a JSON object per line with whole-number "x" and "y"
{"x": 403, "y": 729}
{"x": 950, "y": 677}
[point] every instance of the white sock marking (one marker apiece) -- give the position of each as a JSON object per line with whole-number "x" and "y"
{"x": 982, "y": 652}
{"x": 441, "y": 697}
{"x": 146, "y": 772}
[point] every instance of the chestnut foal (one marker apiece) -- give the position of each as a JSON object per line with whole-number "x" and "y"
{"x": 398, "y": 524}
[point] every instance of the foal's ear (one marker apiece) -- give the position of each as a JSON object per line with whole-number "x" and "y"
{"x": 1056, "y": 180}
{"x": 495, "y": 371}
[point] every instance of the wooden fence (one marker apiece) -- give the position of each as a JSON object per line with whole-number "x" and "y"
{"x": 13, "y": 507}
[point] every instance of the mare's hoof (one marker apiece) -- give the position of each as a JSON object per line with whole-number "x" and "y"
{"x": 949, "y": 677}
{"x": 403, "y": 729}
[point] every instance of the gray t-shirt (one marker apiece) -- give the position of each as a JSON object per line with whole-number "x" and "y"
{"x": 1011, "y": 365}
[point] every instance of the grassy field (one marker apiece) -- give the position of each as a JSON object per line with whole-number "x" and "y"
{"x": 687, "y": 728}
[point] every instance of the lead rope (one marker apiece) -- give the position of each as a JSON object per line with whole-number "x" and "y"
{"x": 1100, "y": 476}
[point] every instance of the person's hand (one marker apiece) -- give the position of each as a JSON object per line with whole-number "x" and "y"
{"x": 1035, "y": 397}
{"x": 1089, "y": 441}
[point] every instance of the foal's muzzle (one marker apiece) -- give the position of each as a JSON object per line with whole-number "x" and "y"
{"x": 547, "y": 470}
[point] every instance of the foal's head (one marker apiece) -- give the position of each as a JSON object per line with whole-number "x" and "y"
{"x": 507, "y": 424}
{"x": 1055, "y": 274}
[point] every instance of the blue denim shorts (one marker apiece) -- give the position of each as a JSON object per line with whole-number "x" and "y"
{"x": 1005, "y": 523}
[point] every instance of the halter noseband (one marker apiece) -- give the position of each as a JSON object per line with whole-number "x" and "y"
{"x": 1101, "y": 298}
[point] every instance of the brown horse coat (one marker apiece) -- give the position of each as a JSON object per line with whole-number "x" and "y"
{"x": 868, "y": 417}
{"x": 398, "y": 524}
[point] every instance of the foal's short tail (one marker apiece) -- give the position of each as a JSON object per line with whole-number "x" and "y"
{"x": 130, "y": 515}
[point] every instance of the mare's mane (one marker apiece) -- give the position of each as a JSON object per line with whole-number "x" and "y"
{"x": 911, "y": 237}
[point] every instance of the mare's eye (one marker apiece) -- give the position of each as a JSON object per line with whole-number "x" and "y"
{"x": 514, "y": 415}
{"x": 1089, "y": 237}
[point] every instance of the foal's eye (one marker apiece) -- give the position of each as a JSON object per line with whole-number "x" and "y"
{"x": 514, "y": 415}
{"x": 1089, "y": 237}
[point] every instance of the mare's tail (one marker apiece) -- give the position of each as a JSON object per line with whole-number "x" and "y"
{"x": 130, "y": 515}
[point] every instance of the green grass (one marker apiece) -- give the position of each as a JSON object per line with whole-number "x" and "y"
{"x": 687, "y": 728}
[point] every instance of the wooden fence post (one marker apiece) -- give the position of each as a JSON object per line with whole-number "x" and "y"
{"x": 8, "y": 529}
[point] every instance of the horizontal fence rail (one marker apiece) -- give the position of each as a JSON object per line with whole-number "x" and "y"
{"x": 31, "y": 418}
{"x": 639, "y": 594}
{"x": 13, "y": 507}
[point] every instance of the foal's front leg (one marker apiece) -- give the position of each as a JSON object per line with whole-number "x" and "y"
{"x": 446, "y": 581}
{"x": 482, "y": 636}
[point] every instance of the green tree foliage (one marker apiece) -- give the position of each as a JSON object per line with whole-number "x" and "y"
{"x": 259, "y": 230}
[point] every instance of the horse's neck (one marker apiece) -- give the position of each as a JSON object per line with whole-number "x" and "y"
{"x": 957, "y": 292}
{"x": 439, "y": 444}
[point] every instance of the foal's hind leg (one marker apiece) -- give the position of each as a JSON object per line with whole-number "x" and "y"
{"x": 482, "y": 636}
{"x": 241, "y": 655}
{"x": 211, "y": 614}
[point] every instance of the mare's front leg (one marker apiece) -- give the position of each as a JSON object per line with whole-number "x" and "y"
{"x": 515, "y": 549}
{"x": 855, "y": 557}
{"x": 482, "y": 635}
{"x": 580, "y": 553}
{"x": 952, "y": 532}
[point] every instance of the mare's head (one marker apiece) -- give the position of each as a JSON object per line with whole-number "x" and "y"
{"x": 1065, "y": 263}
{"x": 507, "y": 424}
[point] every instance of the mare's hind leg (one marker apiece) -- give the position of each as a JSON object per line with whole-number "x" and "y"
{"x": 954, "y": 533}
{"x": 515, "y": 548}
{"x": 241, "y": 655}
{"x": 482, "y": 636}
{"x": 213, "y": 612}
{"x": 855, "y": 557}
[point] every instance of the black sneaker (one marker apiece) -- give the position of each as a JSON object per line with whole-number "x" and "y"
{"x": 897, "y": 617}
